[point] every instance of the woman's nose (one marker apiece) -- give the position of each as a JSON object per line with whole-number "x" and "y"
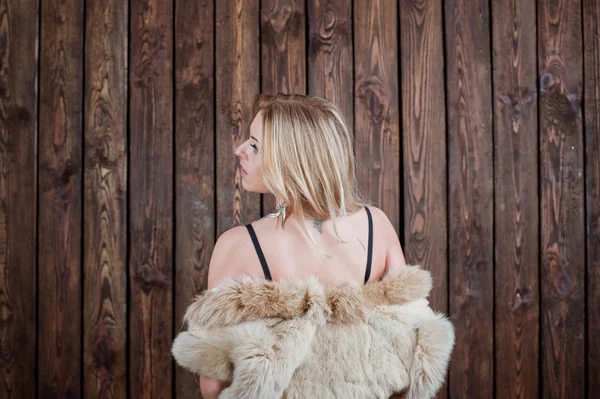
{"x": 239, "y": 151}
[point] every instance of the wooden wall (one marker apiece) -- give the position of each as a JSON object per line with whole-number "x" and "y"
{"x": 477, "y": 129}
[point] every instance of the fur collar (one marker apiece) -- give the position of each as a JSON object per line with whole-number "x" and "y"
{"x": 245, "y": 298}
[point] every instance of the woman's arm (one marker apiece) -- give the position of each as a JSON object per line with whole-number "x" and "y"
{"x": 211, "y": 388}
{"x": 223, "y": 264}
{"x": 394, "y": 256}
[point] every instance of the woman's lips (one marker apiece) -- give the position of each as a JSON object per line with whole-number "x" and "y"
{"x": 244, "y": 171}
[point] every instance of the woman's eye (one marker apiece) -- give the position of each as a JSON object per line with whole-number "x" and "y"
{"x": 255, "y": 147}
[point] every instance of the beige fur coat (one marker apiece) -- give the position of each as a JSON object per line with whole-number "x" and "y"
{"x": 300, "y": 339}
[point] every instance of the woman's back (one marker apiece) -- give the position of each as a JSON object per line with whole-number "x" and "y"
{"x": 288, "y": 254}
{"x": 299, "y": 149}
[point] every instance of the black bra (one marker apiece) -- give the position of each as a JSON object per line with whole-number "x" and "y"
{"x": 265, "y": 267}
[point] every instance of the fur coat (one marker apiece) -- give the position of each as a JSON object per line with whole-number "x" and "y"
{"x": 300, "y": 339}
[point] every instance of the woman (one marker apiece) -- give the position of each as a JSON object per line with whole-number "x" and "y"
{"x": 300, "y": 150}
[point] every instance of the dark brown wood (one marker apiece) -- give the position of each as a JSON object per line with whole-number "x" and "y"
{"x": 516, "y": 217}
{"x": 283, "y": 64}
{"x": 60, "y": 172}
{"x": 330, "y": 57}
{"x": 424, "y": 203}
{"x": 18, "y": 122}
{"x": 533, "y": 187}
{"x": 151, "y": 196}
{"x": 562, "y": 200}
{"x": 60, "y": 169}
{"x": 470, "y": 163}
{"x": 591, "y": 31}
{"x": 424, "y": 142}
{"x": 105, "y": 195}
{"x": 376, "y": 112}
{"x": 282, "y": 36}
{"x": 237, "y": 63}
{"x": 195, "y": 156}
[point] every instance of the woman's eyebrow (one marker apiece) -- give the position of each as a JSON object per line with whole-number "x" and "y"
{"x": 254, "y": 138}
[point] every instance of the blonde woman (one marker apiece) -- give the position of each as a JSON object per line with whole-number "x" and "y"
{"x": 299, "y": 149}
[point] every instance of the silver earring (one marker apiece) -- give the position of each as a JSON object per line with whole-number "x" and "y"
{"x": 279, "y": 211}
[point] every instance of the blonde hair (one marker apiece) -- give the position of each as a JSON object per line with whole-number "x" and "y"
{"x": 307, "y": 158}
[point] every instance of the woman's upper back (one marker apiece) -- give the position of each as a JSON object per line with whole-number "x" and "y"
{"x": 288, "y": 254}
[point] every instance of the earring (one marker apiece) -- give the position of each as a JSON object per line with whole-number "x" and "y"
{"x": 279, "y": 211}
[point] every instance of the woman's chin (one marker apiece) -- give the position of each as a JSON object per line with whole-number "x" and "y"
{"x": 245, "y": 185}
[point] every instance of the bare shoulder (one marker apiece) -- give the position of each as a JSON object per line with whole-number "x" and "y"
{"x": 232, "y": 235}
{"x": 389, "y": 237}
{"x": 226, "y": 259}
{"x": 382, "y": 223}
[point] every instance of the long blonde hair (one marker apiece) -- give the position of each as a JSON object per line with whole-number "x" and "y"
{"x": 307, "y": 159}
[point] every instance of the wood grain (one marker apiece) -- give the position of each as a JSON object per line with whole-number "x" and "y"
{"x": 562, "y": 200}
{"x": 151, "y": 196}
{"x": 60, "y": 171}
{"x": 516, "y": 218}
{"x": 18, "y": 137}
{"x": 238, "y": 80}
{"x": 283, "y": 52}
{"x": 330, "y": 58}
{"x": 591, "y": 31}
{"x": 376, "y": 112}
{"x": 425, "y": 203}
{"x": 470, "y": 197}
{"x": 105, "y": 195}
{"x": 195, "y": 157}
{"x": 282, "y": 36}
{"x": 513, "y": 157}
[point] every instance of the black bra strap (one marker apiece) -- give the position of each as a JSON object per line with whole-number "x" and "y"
{"x": 259, "y": 252}
{"x": 370, "y": 248}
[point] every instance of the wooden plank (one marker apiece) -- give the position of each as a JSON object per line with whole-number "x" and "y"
{"x": 516, "y": 218}
{"x": 562, "y": 199}
{"x": 237, "y": 64}
{"x": 424, "y": 143}
{"x": 283, "y": 31}
{"x": 283, "y": 64}
{"x": 60, "y": 170}
{"x": 18, "y": 123}
{"x": 105, "y": 190}
{"x": 376, "y": 110}
{"x": 194, "y": 137}
{"x": 471, "y": 196}
{"x": 330, "y": 59}
{"x": 425, "y": 203}
{"x": 591, "y": 31}
{"x": 151, "y": 195}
